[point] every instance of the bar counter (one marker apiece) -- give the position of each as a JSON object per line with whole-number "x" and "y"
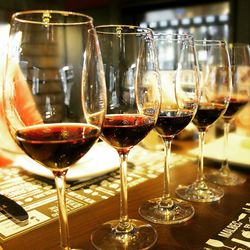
{"x": 209, "y": 219}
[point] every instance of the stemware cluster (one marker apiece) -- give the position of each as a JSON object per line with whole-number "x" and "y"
{"x": 68, "y": 83}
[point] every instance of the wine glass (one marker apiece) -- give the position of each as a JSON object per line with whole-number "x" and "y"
{"x": 54, "y": 92}
{"x": 178, "y": 69}
{"x": 133, "y": 85}
{"x": 216, "y": 86}
{"x": 240, "y": 68}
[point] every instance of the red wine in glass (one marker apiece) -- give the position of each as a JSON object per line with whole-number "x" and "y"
{"x": 225, "y": 176}
{"x": 235, "y": 105}
{"x": 215, "y": 93}
{"x": 207, "y": 114}
{"x": 168, "y": 210}
{"x": 239, "y": 54}
{"x": 55, "y": 102}
{"x": 61, "y": 145}
{"x": 180, "y": 98}
{"x": 170, "y": 123}
{"x": 125, "y": 131}
{"x": 133, "y": 102}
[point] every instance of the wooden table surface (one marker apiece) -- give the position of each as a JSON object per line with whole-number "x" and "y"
{"x": 208, "y": 220}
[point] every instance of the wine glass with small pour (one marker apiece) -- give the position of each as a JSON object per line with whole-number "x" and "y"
{"x": 178, "y": 69}
{"x": 216, "y": 85}
{"x": 240, "y": 68}
{"x": 133, "y": 85}
{"x": 54, "y": 92}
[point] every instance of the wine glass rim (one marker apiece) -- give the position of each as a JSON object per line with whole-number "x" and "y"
{"x": 189, "y": 35}
{"x": 20, "y": 17}
{"x": 113, "y": 29}
{"x": 210, "y": 42}
{"x": 175, "y": 37}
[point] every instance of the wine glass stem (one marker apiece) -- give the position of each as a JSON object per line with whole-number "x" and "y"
{"x": 166, "y": 191}
{"x": 224, "y": 166}
{"x": 62, "y": 210}
{"x": 200, "y": 176}
{"x": 124, "y": 224}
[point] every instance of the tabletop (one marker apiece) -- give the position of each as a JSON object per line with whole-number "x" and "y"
{"x": 211, "y": 220}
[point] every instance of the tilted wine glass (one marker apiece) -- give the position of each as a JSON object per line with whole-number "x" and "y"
{"x": 178, "y": 69}
{"x": 54, "y": 92}
{"x": 240, "y": 68}
{"x": 216, "y": 86}
{"x": 133, "y": 86}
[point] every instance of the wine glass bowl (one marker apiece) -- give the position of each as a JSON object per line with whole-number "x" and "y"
{"x": 240, "y": 67}
{"x": 216, "y": 86}
{"x": 180, "y": 97}
{"x": 54, "y": 107}
{"x": 133, "y": 99}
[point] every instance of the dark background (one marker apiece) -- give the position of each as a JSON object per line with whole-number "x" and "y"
{"x": 131, "y": 11}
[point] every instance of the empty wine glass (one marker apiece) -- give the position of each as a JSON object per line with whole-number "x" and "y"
{"x": 240, "y": 67}
{"x": 54, "y": 92}
{"x": 133, "y": 85}
{"x": 180, "y": 96}
{"x": 216, "y": 86}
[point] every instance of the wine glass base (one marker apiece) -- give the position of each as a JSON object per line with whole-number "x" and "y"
{"x": 141, "y": 236}
{"x": 200, "y": 192}
{"x": 153, "y": 211}
{"x": 225, "y": 179}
